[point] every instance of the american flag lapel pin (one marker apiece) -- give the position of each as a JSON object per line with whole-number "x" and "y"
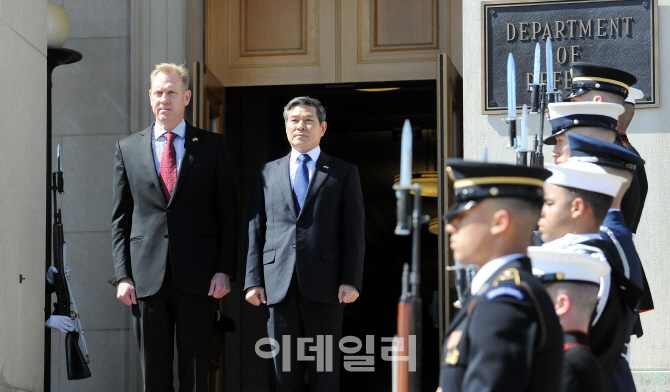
{"x": 195, "y": 139}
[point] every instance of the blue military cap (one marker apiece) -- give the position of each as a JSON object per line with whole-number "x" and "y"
{"x": 476, "y": 181}
{"x": 565, "y": 115}
{"x": 590, "y": 76}
{"x": 588, "y": 149}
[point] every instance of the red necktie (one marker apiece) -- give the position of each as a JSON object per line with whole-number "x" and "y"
{"x": 168, "y": 171}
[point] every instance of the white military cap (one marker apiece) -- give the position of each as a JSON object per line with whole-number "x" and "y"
{"x": 566, "y": 115}
{"x": 587, "y": 176}
{"x": 633, "y": 95}
{"x": 553, "y": 265}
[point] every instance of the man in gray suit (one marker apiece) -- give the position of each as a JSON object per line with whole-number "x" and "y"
{"x": 174, "y": 234}
{"x": 305, "y": 249}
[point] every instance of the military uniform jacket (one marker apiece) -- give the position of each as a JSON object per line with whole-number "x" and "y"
{"x": 633, "y": 201}
{"x": 610, "y": 328}
{"x": 507, "y": 337}
{"x": 581, "y": 370}
{"x": 615, "y": 231}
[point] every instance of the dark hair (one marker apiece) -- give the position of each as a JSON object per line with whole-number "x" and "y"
{"x": 600, "y": 203}
{"x": 306, "y": 101}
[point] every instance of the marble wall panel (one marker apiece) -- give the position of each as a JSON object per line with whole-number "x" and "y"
{"x": 22, "y": 197}
{"x": 96, "y": 19}
{"x": 26, "y": 18}
{"x": 88, "y": 163}
{"x": 91, "y": 96}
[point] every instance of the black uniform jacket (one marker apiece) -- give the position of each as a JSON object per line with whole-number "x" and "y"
{"x": 507, "y": 337}
{"x": 581, "y": 370}
{"x": 612, "y": 328}
{"x": 633, "y": 201}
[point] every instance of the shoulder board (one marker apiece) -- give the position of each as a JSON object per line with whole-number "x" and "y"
{"x": 510, "y": 291}
{"x": 510, "y": 276}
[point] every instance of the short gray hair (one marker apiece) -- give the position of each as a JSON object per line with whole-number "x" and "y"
{"x": 306, "y": 101}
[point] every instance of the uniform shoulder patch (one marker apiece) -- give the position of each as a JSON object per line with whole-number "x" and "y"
{"x": 508, "y": 276}
{"x": 509, "y": 291}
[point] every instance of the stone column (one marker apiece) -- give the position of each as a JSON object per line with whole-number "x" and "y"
{"x": 22, "y": 193}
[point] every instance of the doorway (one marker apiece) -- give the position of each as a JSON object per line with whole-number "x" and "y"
{"x": 364, "y": 124}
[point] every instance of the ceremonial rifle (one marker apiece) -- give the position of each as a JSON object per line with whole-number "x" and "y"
{"x": 407, "y": 343}
{"x": 541, "y": 95}
{"x": 77, "y": 364}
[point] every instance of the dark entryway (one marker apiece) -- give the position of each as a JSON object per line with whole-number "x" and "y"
{"x": 363, "y": 128}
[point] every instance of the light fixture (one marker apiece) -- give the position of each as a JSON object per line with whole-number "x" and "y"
{"x": 58, "y": 26}
{"x": 427, "y": 179}
{"x": 434, "y": 226}
{"x": 377, "y": 90}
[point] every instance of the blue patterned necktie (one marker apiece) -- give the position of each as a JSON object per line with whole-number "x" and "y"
{"x": 301, "y": 181}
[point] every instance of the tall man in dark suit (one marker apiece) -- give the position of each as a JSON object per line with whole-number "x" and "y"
{"x": 306, "y": 247}
{"x": 174, "y": 234}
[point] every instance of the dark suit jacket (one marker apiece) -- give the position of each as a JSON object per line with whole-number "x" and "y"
{"x": 507, "y": 337}
{"x": 324, "y": 244}
{"x": 198, "y": 225}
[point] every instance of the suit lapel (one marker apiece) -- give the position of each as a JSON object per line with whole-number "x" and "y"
{"x": 191, "y": 146}
{"x": 147, "y": 154}
{"x": 321, "y": 172}
{"x": 282, "y": 174}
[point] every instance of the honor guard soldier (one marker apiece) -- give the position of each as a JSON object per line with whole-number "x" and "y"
{"x": 598, "y": 83}
{"x": 572, "y": 281}
{"x": 593, "y": 119}
{"x": 618, "y": 161}
{"x": 640, "y": 174}
{"x": 595, "y": 82}
{"x": 506, "y": 336}
{"x": 576, "y": 200}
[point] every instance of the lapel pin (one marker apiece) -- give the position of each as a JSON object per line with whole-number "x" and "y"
{"x": 195, "y": 139}
{"x": 326, "y": 167}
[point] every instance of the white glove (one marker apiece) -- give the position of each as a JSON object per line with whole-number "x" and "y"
{"x": 52, "y": 270}
{"x": 50, "y": 274}
{"x": 61, "y": 323}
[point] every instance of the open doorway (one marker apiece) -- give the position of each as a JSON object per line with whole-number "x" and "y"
{"x": 364, "y": 129}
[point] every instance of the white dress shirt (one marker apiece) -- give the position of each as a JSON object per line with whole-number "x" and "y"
{"x": 158, "y": 142}
{"x": 294, "y": 164}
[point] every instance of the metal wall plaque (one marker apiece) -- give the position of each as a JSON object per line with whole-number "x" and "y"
{"x": 621, "y": 34}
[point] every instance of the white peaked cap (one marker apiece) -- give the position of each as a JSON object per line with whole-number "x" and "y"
{"x": 586, "y": 176}
{"x": 568, "y": 109}
{"x": 634, "y": 94}
{"x": 553, "y": 265}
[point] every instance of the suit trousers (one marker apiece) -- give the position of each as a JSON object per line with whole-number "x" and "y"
{"x": 156, "y": 317}
{"x": 314, "y": 330}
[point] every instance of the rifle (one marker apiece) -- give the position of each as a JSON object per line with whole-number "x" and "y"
{"x": 407, "y": 343}
{"x": 77, "y": 365}
{"x": 541, "y": 95}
